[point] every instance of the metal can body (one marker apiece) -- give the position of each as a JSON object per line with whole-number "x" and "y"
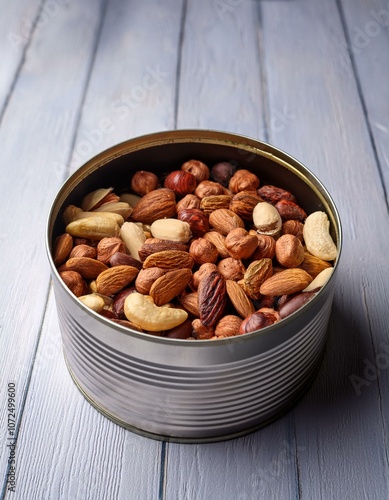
{"x": 184, "y": 390}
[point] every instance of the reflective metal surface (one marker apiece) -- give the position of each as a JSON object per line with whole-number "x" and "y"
{"x": 182, "y": 390}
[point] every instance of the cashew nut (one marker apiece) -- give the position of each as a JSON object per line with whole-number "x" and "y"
{"x": 316, "y": 233}
{"x": 171, "y": 229}
{"x": 142, "y": 311}
{"x": 133, "y": 237}
{"x": 320, "y": 280}
{"x": 93, "y": 301}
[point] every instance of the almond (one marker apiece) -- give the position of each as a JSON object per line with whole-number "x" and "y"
{"x": 242, "y": 304}
{"x": 155, "y": 205}
{"x": 209, "y": 204}
{"x": 113, "y": 279}
{"x": 169, "y": 259}
{"x": 313, "y": 265}
{"x": 62, "y": 248}
{"x": 286, "y": 282}
{"x": 168, "y": 286}
{"x": 87, "y": 267}
{"x": 224, "y": 220}
{"x": 256, "y": 274}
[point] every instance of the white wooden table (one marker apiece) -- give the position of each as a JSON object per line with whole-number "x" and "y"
{"x": 309, "y": 76}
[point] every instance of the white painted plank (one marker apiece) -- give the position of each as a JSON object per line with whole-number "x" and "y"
{"x": 344, "y": 434}
{"x": 37, "y": 129}
{"x": 17, "y": 21}
{"x": 221, "y": 88}
{"x": 132, "y": 88}
{"x": 367, "y": 25}
{"x": 115, "y": 463}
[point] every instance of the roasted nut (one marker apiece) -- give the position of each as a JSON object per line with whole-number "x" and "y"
{"x": 142, "y": 182}
{"x": 133, "y": 238}
{"x": 228, "y": 326}
{"x": 286, "y": 282}
{"x": 224, "y": 220}
{"x": 189, "y": 301}
{"x": 239, "y": 299}
{"x": 210, "y": 203}
{"x": 114, "y": 279}
{"x": 317, "y": 236}
{"x": 273, "y": 194}
{"x": 218, "y": 240}
{"x": 83, "y": 250}
{"x": 146, "y": 278}
{"x": 208, "y": 188}
{"x": 222, "y": 172}
{"x": 320, "y": 280}
{"x": 96, "y": 198}
{"x": 93, "y": 228}
{"x": 107, "y": 247}
{"x": 171, "y": 230}
{"x": 169, "y": 259}
{"x": 289, "y": 251}
{"x": 240, "y": 244}
{"x": 183, "y": 331}
{"x": 123, "y": 259}
{"x": 203, "y": 270}
{"x": 201, "y": 331}
{"x": 118, "y": 302}
{"x": 87, "y": 267}
{"x": 62, "y": 248}
{"x": 211, "y": 298}
{"x": 257, "y": 321}
{"x": 266, "y": 246}
{"x": 154, "y": 245}
{"x": 313, "y": 265}
{"x": 181, "y": 182}
{"x": 141, "y": 310}
{"x": 203, "y": 251}
{"x": 155, "y": 205}
{"x": 231, "y": 269}
{"x": 196, "y": 219}
{"x": 188, "y": 201}
{"x": 294, "y": 303}
{"x": 74, "y": 281}
{"x": 266, "y": 219}
{"x": 294, "y": 227}
{"x": 243, "y": 204}
{"x": 197, "y": 168}
{"x": 169, "y": 285}
{"x": 243, "y": 180}
{"x": 256, "y": 274}
{"x": 290, "y": 210}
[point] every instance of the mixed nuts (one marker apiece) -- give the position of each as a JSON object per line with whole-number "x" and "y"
{"x": 201, "y": 253}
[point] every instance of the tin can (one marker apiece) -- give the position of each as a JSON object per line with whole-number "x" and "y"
{"x": 189, "y": 390}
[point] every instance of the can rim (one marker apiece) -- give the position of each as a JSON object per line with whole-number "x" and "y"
{"x": 207, "y": 136}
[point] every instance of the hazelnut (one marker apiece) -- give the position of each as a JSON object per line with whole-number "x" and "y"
{"x": 180, "y": 182}
{"x": 240, "y": 244}
{"x": 243, "y": 180}
{"x": 208, "y": 188}
{"x": 203, "y": 270}
{"x": 266, "y": 246}
{"x": 142, "y": 182}
{"x": 188, "y": 201}
{"x": 203, "y": 251}
{"x": 243, "y": 204}
{"x": 294, "y": 227}
{"x": 196, "y": 168}
{"x": 231, "y": 269}
{"x": 222, "y": 172}
{"x": 189, "y": 301}
{"x": 289, "y": 251}
{"x": 200, "y": 331}
{"x": 75, "y": 282}
{"x": 196, "y": 219}
{"x": 228, "y": 326}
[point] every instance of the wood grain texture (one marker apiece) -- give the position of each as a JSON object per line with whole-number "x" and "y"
{"x": 330, "y": 134}
{"x": 36, "y": 131}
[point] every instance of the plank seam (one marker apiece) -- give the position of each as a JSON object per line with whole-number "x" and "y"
{"x": 23, "y": 400}
{"x": 86, "y": 85}
{"x": 163, "y": 471}
{"x": 22, "y": 60}
{"x": 263, "y": 77}
{"x": 179, "y": 60}
{"x": 362, "y": 100}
